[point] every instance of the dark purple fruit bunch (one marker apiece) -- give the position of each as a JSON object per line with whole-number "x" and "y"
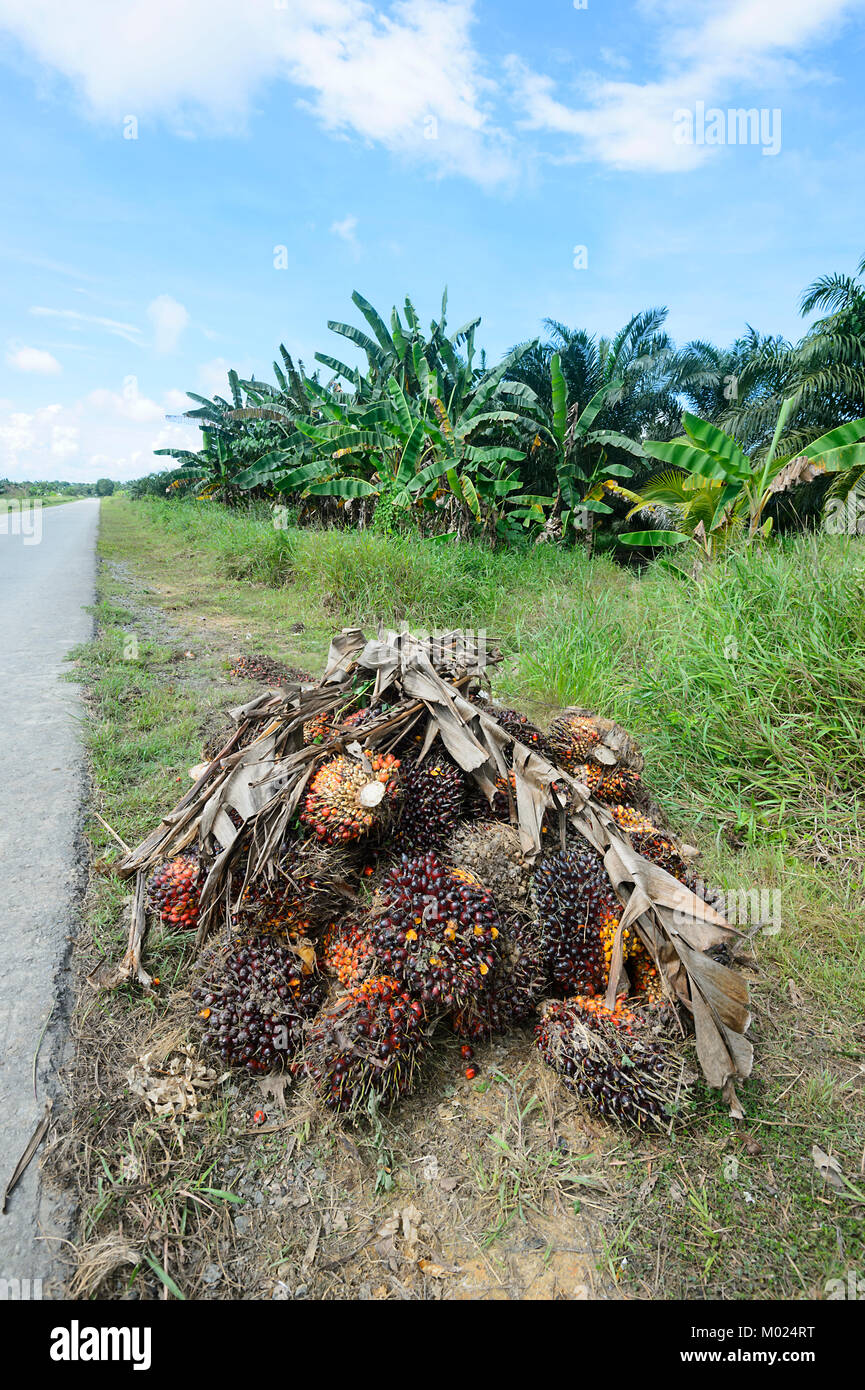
{"x": 254, "y": 1004}
{"x": 519, "y": 978}
{"x": 479, "y": 808}
{"x": 520, "y": 727}
{"x": 609, "y": 1057}
{"x": 370, "y": 1041}
{"x": 433, "y": 793}
{"x": 175, "y": 891}
{"x": 437, "y": 932}
{"x": 575, "y": 899}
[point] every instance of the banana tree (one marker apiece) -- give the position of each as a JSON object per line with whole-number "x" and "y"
{"x": 717, "y": 489}
{"x": 581, "y": 464}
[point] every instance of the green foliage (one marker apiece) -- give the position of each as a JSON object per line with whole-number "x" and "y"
{"x": 413, "y": 429}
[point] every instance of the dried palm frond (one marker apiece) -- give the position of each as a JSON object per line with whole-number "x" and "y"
{"x": 243, "y": 807}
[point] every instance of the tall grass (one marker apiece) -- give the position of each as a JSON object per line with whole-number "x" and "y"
{"x": 363, "y": 577}
{"x": 746, "y": 689}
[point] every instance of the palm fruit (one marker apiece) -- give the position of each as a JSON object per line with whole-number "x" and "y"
{"x": 518, "y": 981}
{"x": 491, "y": 850}
{"x": 347, "y": 952}
{"x": 575, "y": 899}
{"x": 662, "y": 850}
{"x": 272, "y": 908}
{"x": 479, "y": 808}
{"x": 645, "y": 978}
{"x": 437, "y": 934}
{"x": 609, "y": 1057}
{"x": 268, "y": 671}
{"x": 319, "y": 728}
{"x": 254, "y": 1004}
{"x": 175, "y": 891}
{"x": 613, "y": 784}
{"x": 521, "y": 728}
{"x": 608, "y": 923}
{"x": 631, "y": 819}
{"x": 431, "y": 802}
{"x": 344, "y": 801}
{"x": 369, "y": 1041}
{"x": 571, "y": 739}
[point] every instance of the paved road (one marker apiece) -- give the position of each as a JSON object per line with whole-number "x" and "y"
{"x": 44, "y": 583}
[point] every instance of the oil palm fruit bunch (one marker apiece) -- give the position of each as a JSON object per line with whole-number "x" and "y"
{"x": 431, "y": 803}
{"x": 346, "y": 801}
{"x": 608, "y": 921}
{"x": 612, "y": 784}
{"x": 479, "y": 808}
{"x": 574, "y": 898}
{"x": 436, "y": 933}
{"x": 571, "y": 738}
{"x": 254, "y": 1004}
{"x": 175, "y": 891}
{"x": 662, "y": 850}
{"x": 319, "y": 728}
{"x": 369, "y": 1041}
{"x": 609, "y": 1057}
{"x": 520, "y": 727}
{"x": 633, "y": 820}
{"x": 347, "y": 951}
{"x": 492, "y": 851}
{"x": 519, "y": 978}
{"x": 275, "y": 907}
{"x": 645, "y": 978}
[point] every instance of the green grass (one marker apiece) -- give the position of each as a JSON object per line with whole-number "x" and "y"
{"x": 755, "y": 750}
{"x": 16, "y": 503}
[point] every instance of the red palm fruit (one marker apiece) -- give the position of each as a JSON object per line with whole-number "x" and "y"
{"x": 369, "y": 1041}
{"x": 609, "y": 1057}
{"x": 437, "y": 933}
{"x": 346, "y": 801}
{"x": 575, "y": 901}
{"x": 175, "y": 891}
{"x": 254, "y": 1002}
{"x": 612, "y": 784}
{"x": 571, "y": 739}
{"x": 348, "y": 952}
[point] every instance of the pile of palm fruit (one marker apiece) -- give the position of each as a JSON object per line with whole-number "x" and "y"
{"x": 387, "y": 855}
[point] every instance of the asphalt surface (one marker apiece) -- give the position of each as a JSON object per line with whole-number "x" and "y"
{"x": 44, "y": 585}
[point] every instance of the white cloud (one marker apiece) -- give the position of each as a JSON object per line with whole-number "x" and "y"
{"x": 405, "y": 75}
{"x": 30, "y": 359}
{"x": 212, "y": 379}
{"x": 169, "y": 318}
{"x": 713, "y": 49}
{"x": 346, "y": 230}
{"x": 109, "y": 432}
{"x": 74, "y": 318}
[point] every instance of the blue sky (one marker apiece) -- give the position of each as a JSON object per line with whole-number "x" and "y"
{"x": 392, "y": 148}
